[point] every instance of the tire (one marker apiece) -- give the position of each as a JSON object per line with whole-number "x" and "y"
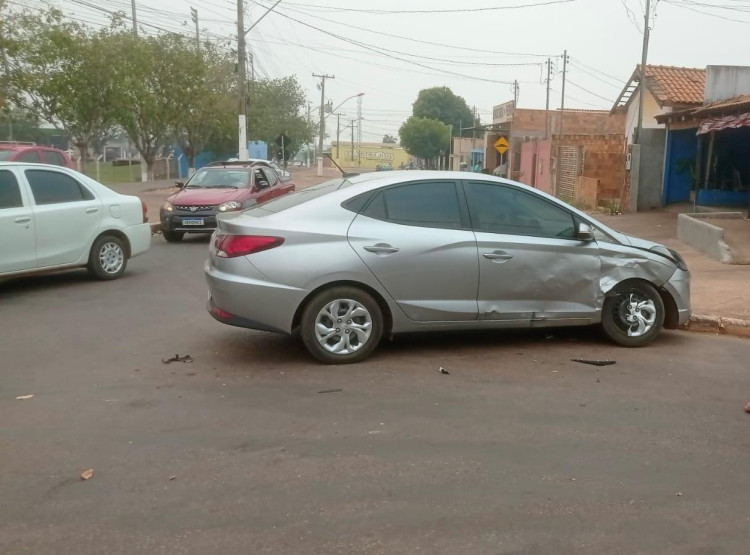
{"x": 108, "y": 258}
{"x": 355, "y": 340}
{"x": 173, "y": 236}
{"x": 647, "y": 313}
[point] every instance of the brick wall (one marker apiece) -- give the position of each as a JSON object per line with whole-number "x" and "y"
{"x": 604, "y": 160}
{"x": 531, "y": 123}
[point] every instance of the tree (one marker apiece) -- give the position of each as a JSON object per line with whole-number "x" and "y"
{"x": 149, "y": 76}
{"x": 424, "y": 137}
{"x": 277, "y": 106}
{"x": 441, "y": 104}
{"x": 205, "y": 105}
{"x": 62, "y": 74}
{"x": 389, "y": 139}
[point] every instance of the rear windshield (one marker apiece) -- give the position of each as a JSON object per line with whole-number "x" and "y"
{"x": 6, "y": 154}
{"x": 298, "y": 197}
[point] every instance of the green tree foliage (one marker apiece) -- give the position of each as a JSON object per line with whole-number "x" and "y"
{"x": 441, "y": 104}
{"x": 277, "y": 106}
{"x": 424, "y": 137}
{"x": 61, "y": 73}
{"x": 389, "y": 139}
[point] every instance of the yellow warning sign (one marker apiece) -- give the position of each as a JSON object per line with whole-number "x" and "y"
{"x": 502, "y": 145}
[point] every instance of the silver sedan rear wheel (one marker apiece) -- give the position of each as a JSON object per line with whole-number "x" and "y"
{"x": 341, "y": 325}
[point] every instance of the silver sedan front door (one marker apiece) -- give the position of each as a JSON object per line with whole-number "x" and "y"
{"x": 415, "y": 240}
{"x": 532, "y": 266}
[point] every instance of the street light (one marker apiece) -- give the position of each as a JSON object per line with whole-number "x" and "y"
{"x": 342, "y": 103}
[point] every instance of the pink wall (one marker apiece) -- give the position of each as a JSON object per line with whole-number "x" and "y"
{"x": 535, "y": 164}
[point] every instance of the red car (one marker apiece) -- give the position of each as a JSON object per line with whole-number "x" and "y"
{"x": 216, "y": 189}
{"x": 31, "y": 153}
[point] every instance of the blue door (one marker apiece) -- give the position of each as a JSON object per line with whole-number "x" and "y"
{"x": 682, "y": 147}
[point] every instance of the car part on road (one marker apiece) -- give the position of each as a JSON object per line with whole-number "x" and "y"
{"x": 594, "y": 362}
{"x": 341, "y": 325}
{"x": 444, "y": 371}
{"x": 107, "y": 259}
{"x": 633, "y": 314}
{"x": 331, "y": 391}
{"x": 87, "y": 474}
{"x": 23, "y": 397}
{"x": 747, "y": 407}
{"x": 177, "y": 358}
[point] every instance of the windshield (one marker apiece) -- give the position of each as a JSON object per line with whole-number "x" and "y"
{"x": 6, "y": 154}
{"x": 209, "y": 178}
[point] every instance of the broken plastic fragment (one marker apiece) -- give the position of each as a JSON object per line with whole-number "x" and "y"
{"x": 178, "y": 358}
{"x": 87, "y": 474}
{"x": 23, "y": 397}
{"x": 594, "y": 362}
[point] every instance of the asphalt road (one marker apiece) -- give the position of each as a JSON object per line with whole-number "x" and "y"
{"x": 518, "y": 450}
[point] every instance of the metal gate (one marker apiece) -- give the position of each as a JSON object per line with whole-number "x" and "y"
{"x": 569, "y": 167}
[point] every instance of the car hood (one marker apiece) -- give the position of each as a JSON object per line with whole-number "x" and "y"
{"x": 639, "y": 243}
{"x": 190, "y": 197}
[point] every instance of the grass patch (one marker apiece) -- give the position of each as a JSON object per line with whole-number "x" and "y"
{"x": 110, "y": 175}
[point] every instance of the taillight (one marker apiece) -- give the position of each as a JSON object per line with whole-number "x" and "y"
{"x": 145, "y": 211}
{"x": 230, "y": 246}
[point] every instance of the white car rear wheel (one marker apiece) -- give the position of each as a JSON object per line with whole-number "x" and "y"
{"x": 108, "y": 258}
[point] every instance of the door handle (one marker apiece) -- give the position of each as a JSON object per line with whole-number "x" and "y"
{"x": 92, "y": 210}
{"x": 22, "y": 219}
{"x": 497, "y": 255}
{"x": 381, "y": 248}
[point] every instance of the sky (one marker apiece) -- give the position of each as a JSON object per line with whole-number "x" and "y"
{"x": 475, "y": 47}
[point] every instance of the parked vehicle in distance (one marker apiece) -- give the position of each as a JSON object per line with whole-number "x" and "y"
{"x": 53, "y": 218}
{"x": 383, "y": 168}
{"x": 282, "y": 173}
{"x": 417, "y": 251}
{"x": 298, "y": 163}
{"x": 215, "y": 189}
{"x": 31, "y": 153}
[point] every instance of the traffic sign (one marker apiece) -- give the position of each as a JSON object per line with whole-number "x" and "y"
{"x": 502, "y": 145}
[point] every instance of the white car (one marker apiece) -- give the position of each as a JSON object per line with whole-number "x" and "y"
{"x": 53, "y": 218}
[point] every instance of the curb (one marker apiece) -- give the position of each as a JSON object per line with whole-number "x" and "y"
{"x": 719, "y": 325}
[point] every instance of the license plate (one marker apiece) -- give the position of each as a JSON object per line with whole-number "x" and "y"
{"x": 192, "y": 221}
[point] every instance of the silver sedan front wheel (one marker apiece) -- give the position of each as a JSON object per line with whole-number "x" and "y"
{"x": 341, "y": 325}
{"x": 633, "y": 314}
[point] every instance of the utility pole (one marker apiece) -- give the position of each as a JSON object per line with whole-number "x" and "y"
{"x": 562, "y": 100}
{"x": 194, "y": 17}
{"x": 135, "y": 19}
{"x": 359, "y": 122}
{"x": 242, "y": 76}
{"x": 546, "y": 107}
{"x": 515, "y": 92}
{"x": 322, "y": 129}
{"x": 642, "y": 84}
{"x": 352, "y": 124}
{"x": 338, "y": 136}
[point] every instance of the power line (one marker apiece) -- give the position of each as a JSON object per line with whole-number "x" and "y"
{"x": 588, "y": 91}
{"x": 385, "y": 52}
{"x": 451, "y": 10}
{"x": 687, "y": 6}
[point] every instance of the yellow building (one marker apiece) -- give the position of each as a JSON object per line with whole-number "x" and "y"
{"x": 368, "y": 155}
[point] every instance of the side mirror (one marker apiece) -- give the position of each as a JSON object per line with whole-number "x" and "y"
{"x": 584, "y": 232}
{"x": 180, "y": 184}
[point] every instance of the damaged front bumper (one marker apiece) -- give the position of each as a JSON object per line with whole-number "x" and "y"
{"x": 678, "y": 287}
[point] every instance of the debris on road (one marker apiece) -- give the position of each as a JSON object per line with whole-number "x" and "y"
{"x": 678, "y": 494}
{"x": 444, "y": 371}
{"x": 747, "y": 407}
{"x": 594, "y": 362}
{"x": 178, "y": 358}
{"x": 87, "y": 474}
{"x": 173, "y": 477}
{"x": 23, "y": 397}
{"x": 330, "y": 391}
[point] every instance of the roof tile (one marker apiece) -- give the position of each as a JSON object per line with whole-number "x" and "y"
{"x": 676, "y": 85}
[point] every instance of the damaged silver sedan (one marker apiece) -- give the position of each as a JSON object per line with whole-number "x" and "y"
{"x": 355, "y": 259}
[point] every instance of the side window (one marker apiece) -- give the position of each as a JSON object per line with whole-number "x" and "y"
{"x": 50, "y": 187}
{"x": 261, "y": 181}
{"x": 29, "y": 156}
{"x": 271, "y": 176}
{"x": 421, "y": 204}
{"x": 502, "y": 209}
{"x": 52, "y": 157}
{"x": 10, "y": 193}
